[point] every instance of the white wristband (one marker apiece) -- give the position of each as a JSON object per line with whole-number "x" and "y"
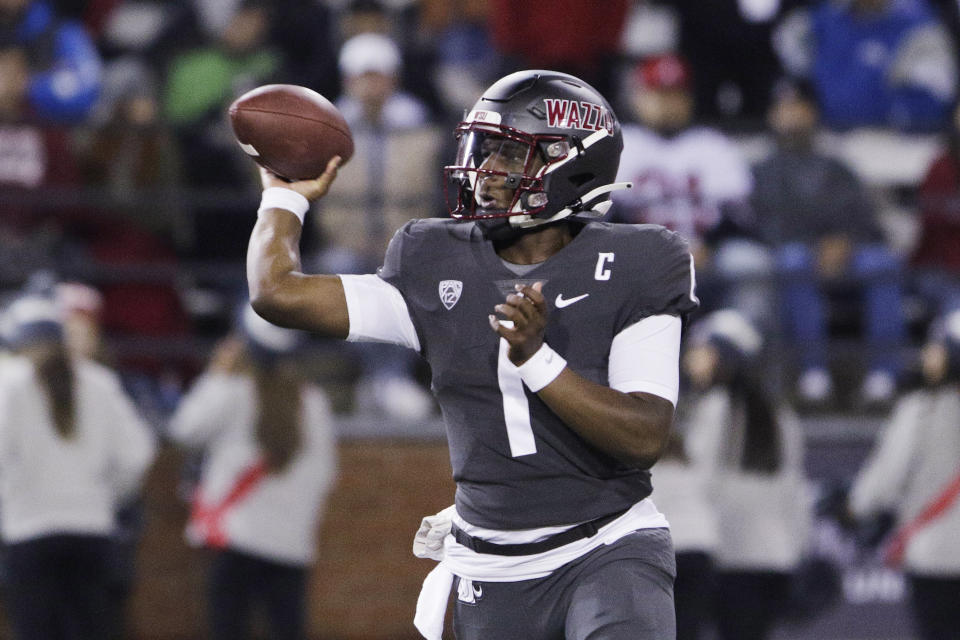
{"x": 541, "y": 368}
{"x": 286, "y": 199}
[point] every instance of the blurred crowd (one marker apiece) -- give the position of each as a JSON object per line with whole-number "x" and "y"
{"x": 756, "y": 544}
{"x": 118, "y": 166}
{"x": 259, "y": 460}
{"x": 125, "y": 199}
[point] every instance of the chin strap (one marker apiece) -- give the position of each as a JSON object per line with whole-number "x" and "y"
{"x": 582, "y": 205}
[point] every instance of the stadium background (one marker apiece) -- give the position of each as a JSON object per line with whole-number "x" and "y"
{"x": 163, "y": 239}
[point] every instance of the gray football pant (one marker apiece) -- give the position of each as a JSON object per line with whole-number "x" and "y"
{"x": 622, "y": 591}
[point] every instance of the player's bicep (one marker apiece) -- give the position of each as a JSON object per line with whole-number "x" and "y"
{"x": 279, "y": 291}
{"x": 316, "y": 303}
{"x": 377, "y": 312}
{"x": 645, "y": 358}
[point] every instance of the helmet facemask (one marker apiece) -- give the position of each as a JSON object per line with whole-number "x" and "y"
{"x": 537, "y": 147}
{"x": 499, "y": 172}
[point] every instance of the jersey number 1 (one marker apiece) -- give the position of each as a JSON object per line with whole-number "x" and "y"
{"x": 516, "y": 408}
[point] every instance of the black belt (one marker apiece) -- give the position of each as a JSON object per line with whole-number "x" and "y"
{"x": 585, "y": 530}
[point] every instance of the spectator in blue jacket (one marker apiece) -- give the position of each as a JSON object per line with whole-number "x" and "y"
{"x": 822, "y": 227}
{"x": 64, "y": 62}
{"x": 881, "y": 63}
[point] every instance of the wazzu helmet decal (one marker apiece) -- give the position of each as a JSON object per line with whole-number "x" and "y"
{"x": 567, "y": 114}
{"x": 548, "y": 137}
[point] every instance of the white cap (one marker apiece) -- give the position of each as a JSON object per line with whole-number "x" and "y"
{"x": 732, "y": 326}
{"x": 76, "y": 297}
{"x": 30, "y": 318}
{"x": 946, "y": 328}
{"x": 267, "y": 335}
{"x": 952, "y": 325}
{"x": 369, "y": 52}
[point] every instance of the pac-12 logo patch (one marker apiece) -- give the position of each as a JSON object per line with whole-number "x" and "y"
{"x": 450, "y": 291}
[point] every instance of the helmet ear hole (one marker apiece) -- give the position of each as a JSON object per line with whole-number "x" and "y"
{"x": 554, "y": 150}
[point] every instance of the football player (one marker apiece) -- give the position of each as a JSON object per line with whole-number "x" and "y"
{"x": 553, "y": 340}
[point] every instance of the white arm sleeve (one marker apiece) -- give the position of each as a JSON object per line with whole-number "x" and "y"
{"x": 646, "y": 357}
{"x": 879, "y": 484}
{"x": 377, "y": 312}
{"x": 203, "y": 412}
{"x": 134, "y": 442}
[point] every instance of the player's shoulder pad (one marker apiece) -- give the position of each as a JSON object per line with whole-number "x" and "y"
{"x": 419, "y": 241}
{"x": 427, "y": 229}
{"x": 648, "y": 253}
{"x": 643, "y": 238}
{"x": 653, "y": 266}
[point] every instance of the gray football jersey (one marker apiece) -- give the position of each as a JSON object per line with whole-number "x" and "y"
{"x": 516, "y": 464}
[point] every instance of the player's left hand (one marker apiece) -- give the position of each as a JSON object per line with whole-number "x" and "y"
{"x": 524, "y": 318}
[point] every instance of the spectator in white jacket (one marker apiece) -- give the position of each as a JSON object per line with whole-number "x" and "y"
{"x": 753, "y": 449}
{"x": 914, "y": 472}
{"x": 72, "y": 447}
{"x": 270, "y": 460}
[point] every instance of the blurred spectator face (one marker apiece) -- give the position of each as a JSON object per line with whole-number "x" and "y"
{"x": 82, "y": 335}
{"x": 661, "y": 95}
{"x": 371, "y": 88}
{"x": 139, "y": 110}
{"x": 14, "y": 76}
{"x": 81, "y": 306}
{"x": 940, "y": 356}
{"x": 700, "y": 364}
{"x": 667, "y": 111}
{"x": 933, "y": 362}
{"x": 246, "y": 30}
{"x": 794, "y": 121}
{"x": 370, "y": 65}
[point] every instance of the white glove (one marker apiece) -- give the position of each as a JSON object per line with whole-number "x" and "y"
{"x": 428, "y": 541}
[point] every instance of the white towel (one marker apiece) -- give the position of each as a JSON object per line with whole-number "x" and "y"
{"x": 432, "y": 602}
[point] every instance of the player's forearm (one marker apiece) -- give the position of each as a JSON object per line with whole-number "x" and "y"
{"x": 630, "y": 427}
{"x": 280, "y": 292}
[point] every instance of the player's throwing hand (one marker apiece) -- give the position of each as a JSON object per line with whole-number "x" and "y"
{"x": 524, "y": 319}
{"x": 309, "y": 189}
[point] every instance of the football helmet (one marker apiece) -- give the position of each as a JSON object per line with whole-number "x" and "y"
{"x": 537, "y": 147}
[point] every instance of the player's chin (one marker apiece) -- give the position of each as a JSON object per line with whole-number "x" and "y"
{"x": 492, "y": 207}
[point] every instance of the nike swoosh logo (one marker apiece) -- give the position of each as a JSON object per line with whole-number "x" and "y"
{"x": 560, "y": 303}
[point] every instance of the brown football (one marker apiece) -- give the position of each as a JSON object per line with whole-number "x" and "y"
{"x": 291, "y": 130}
